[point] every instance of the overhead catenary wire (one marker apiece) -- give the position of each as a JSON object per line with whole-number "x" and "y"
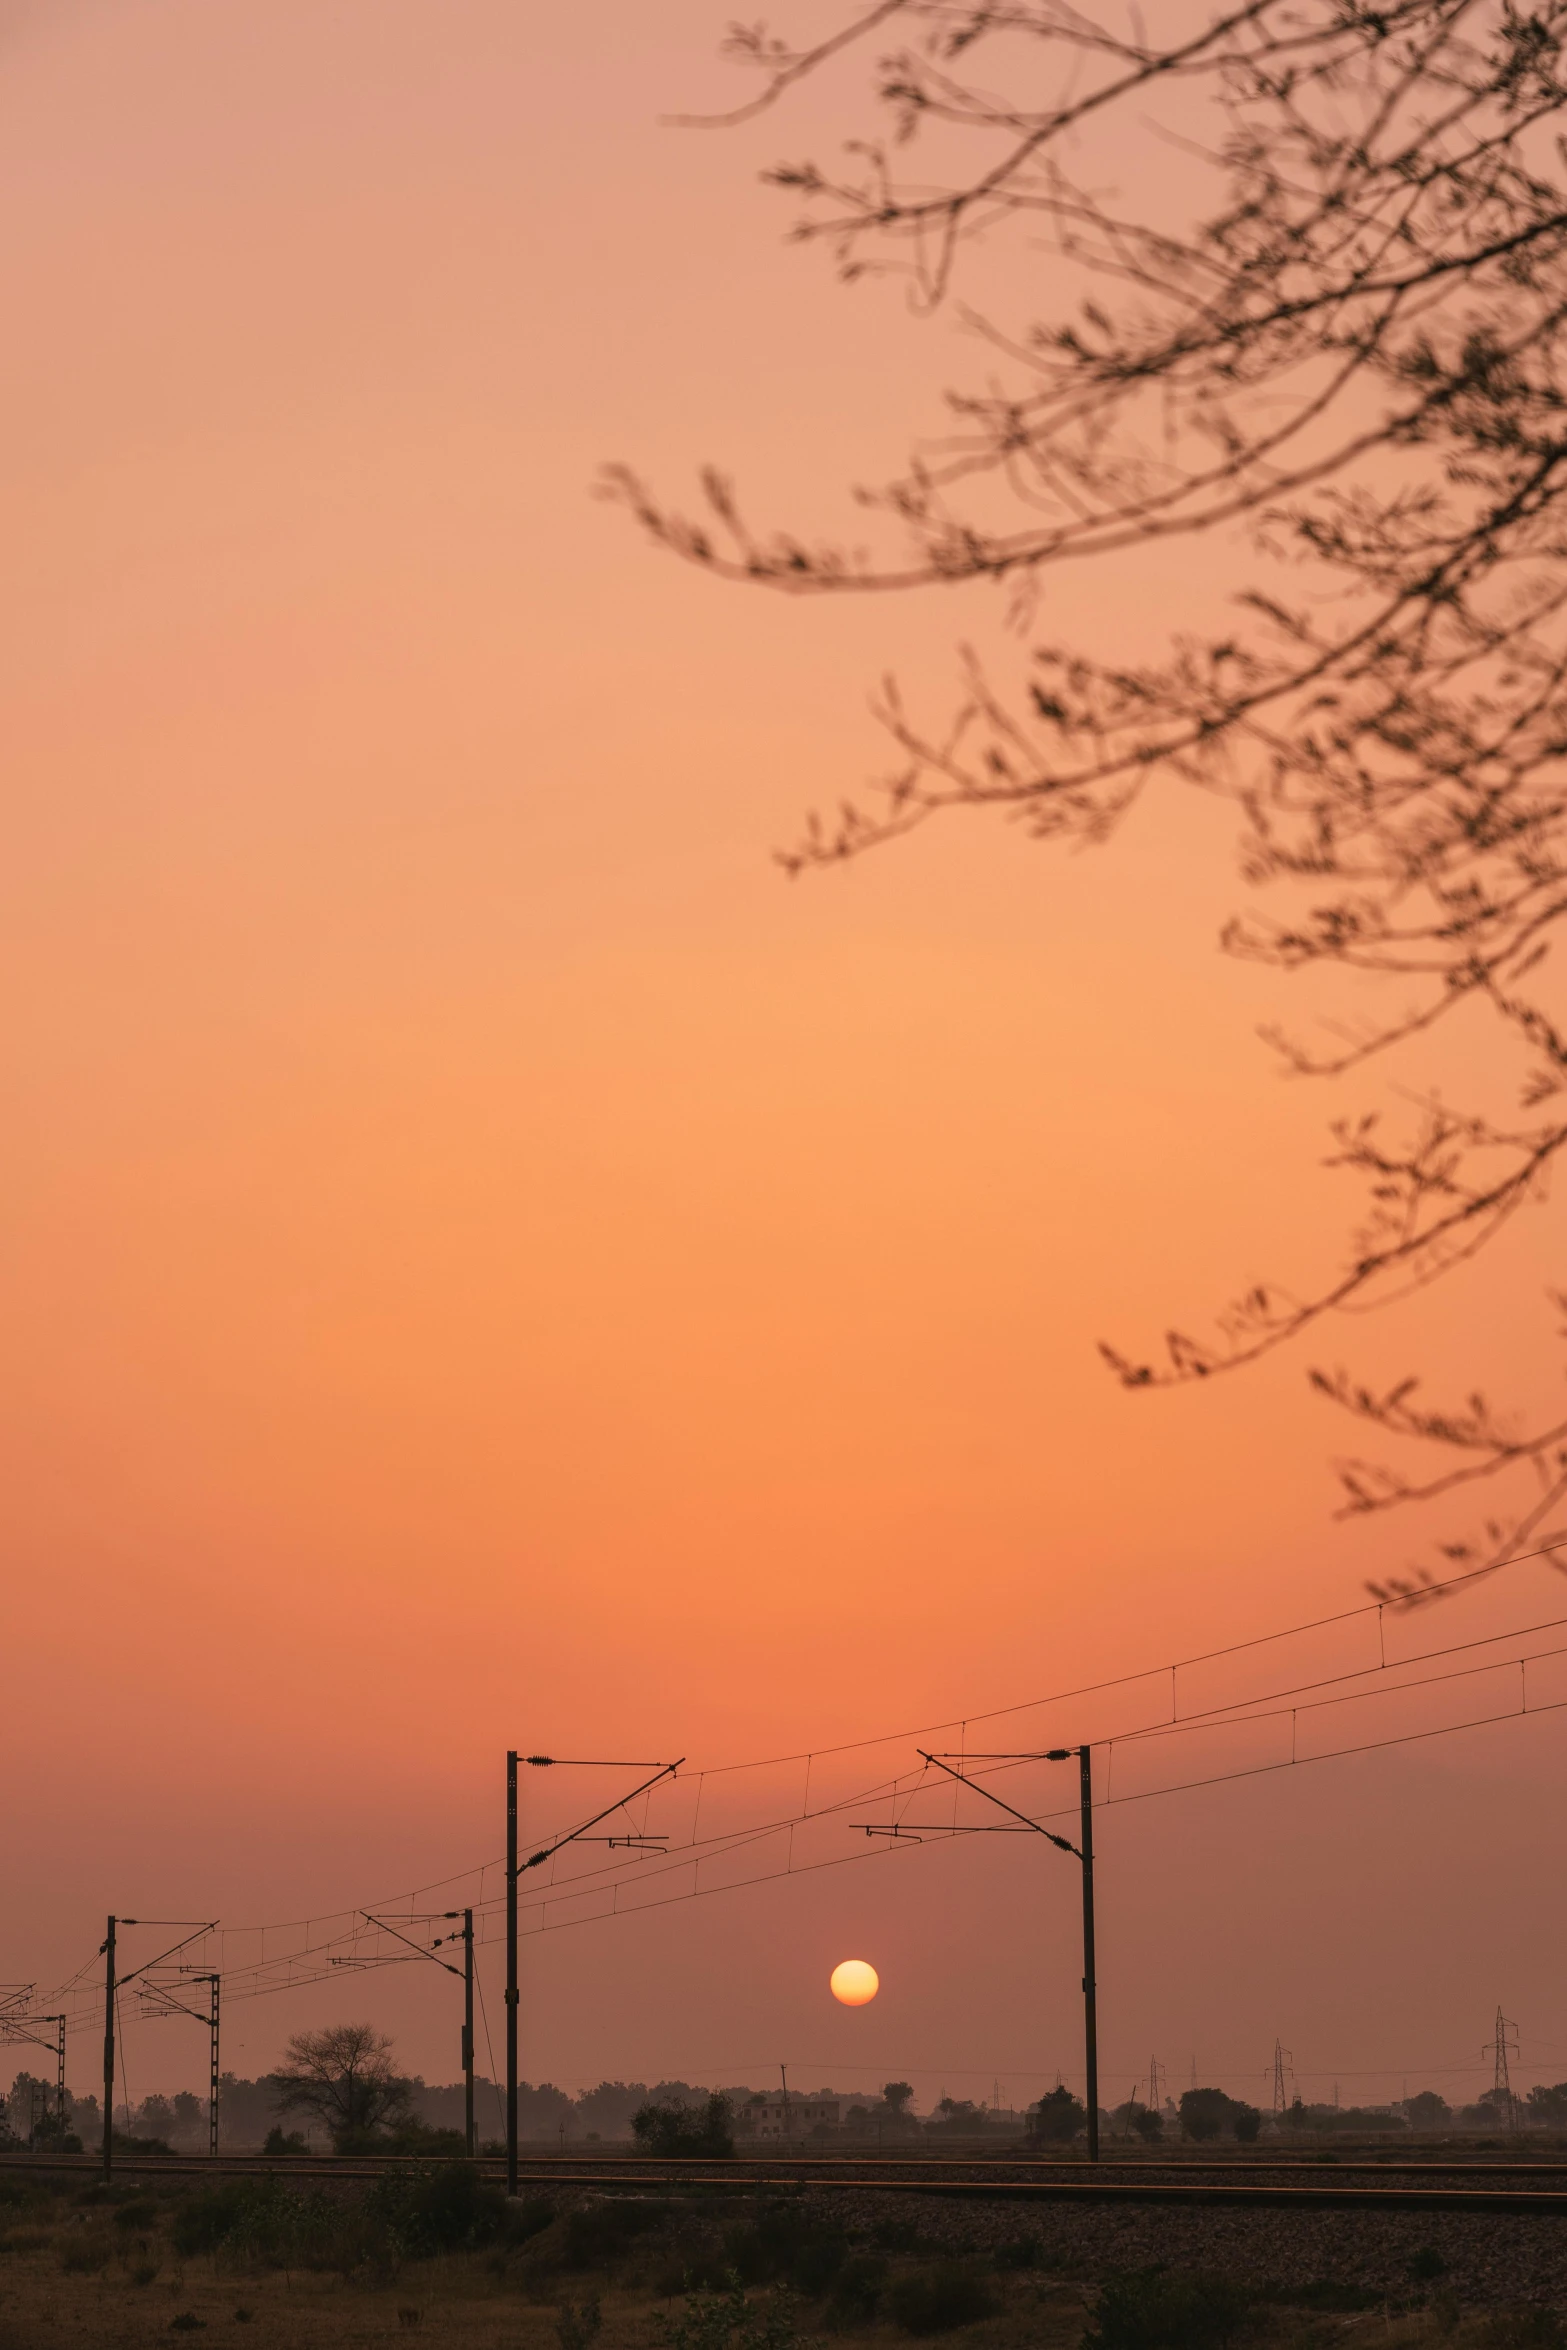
{"x": 314, "y": 1960}
{"x": 341, "y": 1936}
{"x": 242, "y": 1990}
{"x": 242, "y": 1982}
{"x": 1422, "y": 1595}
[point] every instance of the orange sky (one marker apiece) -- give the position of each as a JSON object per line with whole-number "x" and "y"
{"x": 487, "y": 1261}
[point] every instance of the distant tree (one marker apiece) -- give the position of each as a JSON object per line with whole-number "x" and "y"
{"x": 608, "y": 2108}
{"x": 190, "y": 2113}
{"x": 155, "y": 2118}
{"x": 1148, "y": 2125}
{"x": 898, "y": 2095}
{"x": 959, "y": 2115}
{"x": 1246, "y": 2122}
{"x": 670, "y": 2127}
{"x": 1340, "y": 365}
{"x": 1426, "y": 2110}
{"x": 30, "y": 2114}
{"x": 346, "y": 2078}
{"x": 1057, "y": 2118}
{"x": 1367, "y": 2121}
{"x": 25, "y": 2103}
{"x": 86, "y": 2117}
{"x": 1206, "y": 2112}
{"x": 1549, "y": 2106}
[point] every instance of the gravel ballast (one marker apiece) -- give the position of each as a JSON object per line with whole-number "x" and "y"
{"x": 1490, "y": 2258}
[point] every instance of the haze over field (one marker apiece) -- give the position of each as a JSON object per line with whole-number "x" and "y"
{"x": 489, "y": 1263}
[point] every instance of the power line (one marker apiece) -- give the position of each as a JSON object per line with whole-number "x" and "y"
{"x": 343, "y": 1932}
{"x": 292, "y": 1970}
{"x": 1401, "y": 1604}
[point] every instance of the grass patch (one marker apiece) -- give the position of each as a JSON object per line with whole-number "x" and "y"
{"x": 1167, "y": 2309}
{"x": 1328, "y": 2294}
{"x": 596, "y": 2235}
{"x": 936, "y": 2300}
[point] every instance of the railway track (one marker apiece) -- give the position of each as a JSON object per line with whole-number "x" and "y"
{"x": 1496, "y": 2187}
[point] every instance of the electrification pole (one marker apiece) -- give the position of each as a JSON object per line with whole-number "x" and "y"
{"x": 108, "y": 2054}
{"x": 160, "y": 1998}
{"x": 514, "y": 1869}
{"x": 470, "y": 2143}
{"x": 1084, "y": 1853}
{"x": 1085, "y": 1770}
{"x": 467, "y": 2033}
{"x": 511, "y": 1974}
{"x": 214, "y": 2074}
{"x": 17, "y": 2026}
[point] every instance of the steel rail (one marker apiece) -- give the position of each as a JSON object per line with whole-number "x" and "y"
{"x": 1068, "y": 2184}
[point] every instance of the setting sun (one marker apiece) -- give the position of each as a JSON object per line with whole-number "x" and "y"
{"x": 855, "y": 1982}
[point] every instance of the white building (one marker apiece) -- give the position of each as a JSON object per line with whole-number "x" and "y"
{"x": 791, "y": 2117}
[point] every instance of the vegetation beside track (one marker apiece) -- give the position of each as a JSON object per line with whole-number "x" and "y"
{"x": 440, "y": 2253}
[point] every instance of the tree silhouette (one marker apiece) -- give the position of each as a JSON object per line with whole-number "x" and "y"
{"x": 346, "y": 2077}
{"x": 1058, "y": 2116}
{"x": 668, "y": 2125}
{"x": 1348, "y": 370}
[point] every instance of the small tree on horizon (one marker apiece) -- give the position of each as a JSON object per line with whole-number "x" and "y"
{"x": 1204, "y": 2113}
{"x": 669, "y": 2126}
{"x": 345, "y": 2076}
{"x": 1428, "y": 2111}
{"x": 1057, "y": 2117}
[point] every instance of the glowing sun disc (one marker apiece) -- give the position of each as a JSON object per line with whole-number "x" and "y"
{"x": 854, "y": 1982}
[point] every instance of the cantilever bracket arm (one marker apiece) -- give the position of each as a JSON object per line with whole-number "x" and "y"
{"x": 210, "y": 1927}
{"x": 1062, "y": 1842}
{"x": 417, "y": 1947}
{"x": 574, "y": 1835}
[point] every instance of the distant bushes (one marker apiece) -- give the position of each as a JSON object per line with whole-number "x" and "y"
{"x": 264, "y": 2223}
{"x": 410, "y": 2215}
{"x": 595, "y": 2234}
{"x": 727, "y": 2320}
{"x": 446, "y": 2208}
{"x": 1161, "y": 2309}
{"x": 1207, "y": 2113}
{"x": 934, "y": 2300}
{"x": 785, "y": 2245}
{"x": 1057, "y": 2119}
{"x": 857, "y": 2290}
{"x": 1526, "y": 2327}
{"x": 670, "y": 2127}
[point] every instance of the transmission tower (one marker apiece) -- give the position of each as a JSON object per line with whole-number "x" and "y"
{"x": 1283, "y": 2061}
{"x": 1499, "y": 2049}
{"x": 1156, "y": 2085}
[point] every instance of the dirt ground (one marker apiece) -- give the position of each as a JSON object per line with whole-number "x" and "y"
{"x": 79, "y": 2271}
